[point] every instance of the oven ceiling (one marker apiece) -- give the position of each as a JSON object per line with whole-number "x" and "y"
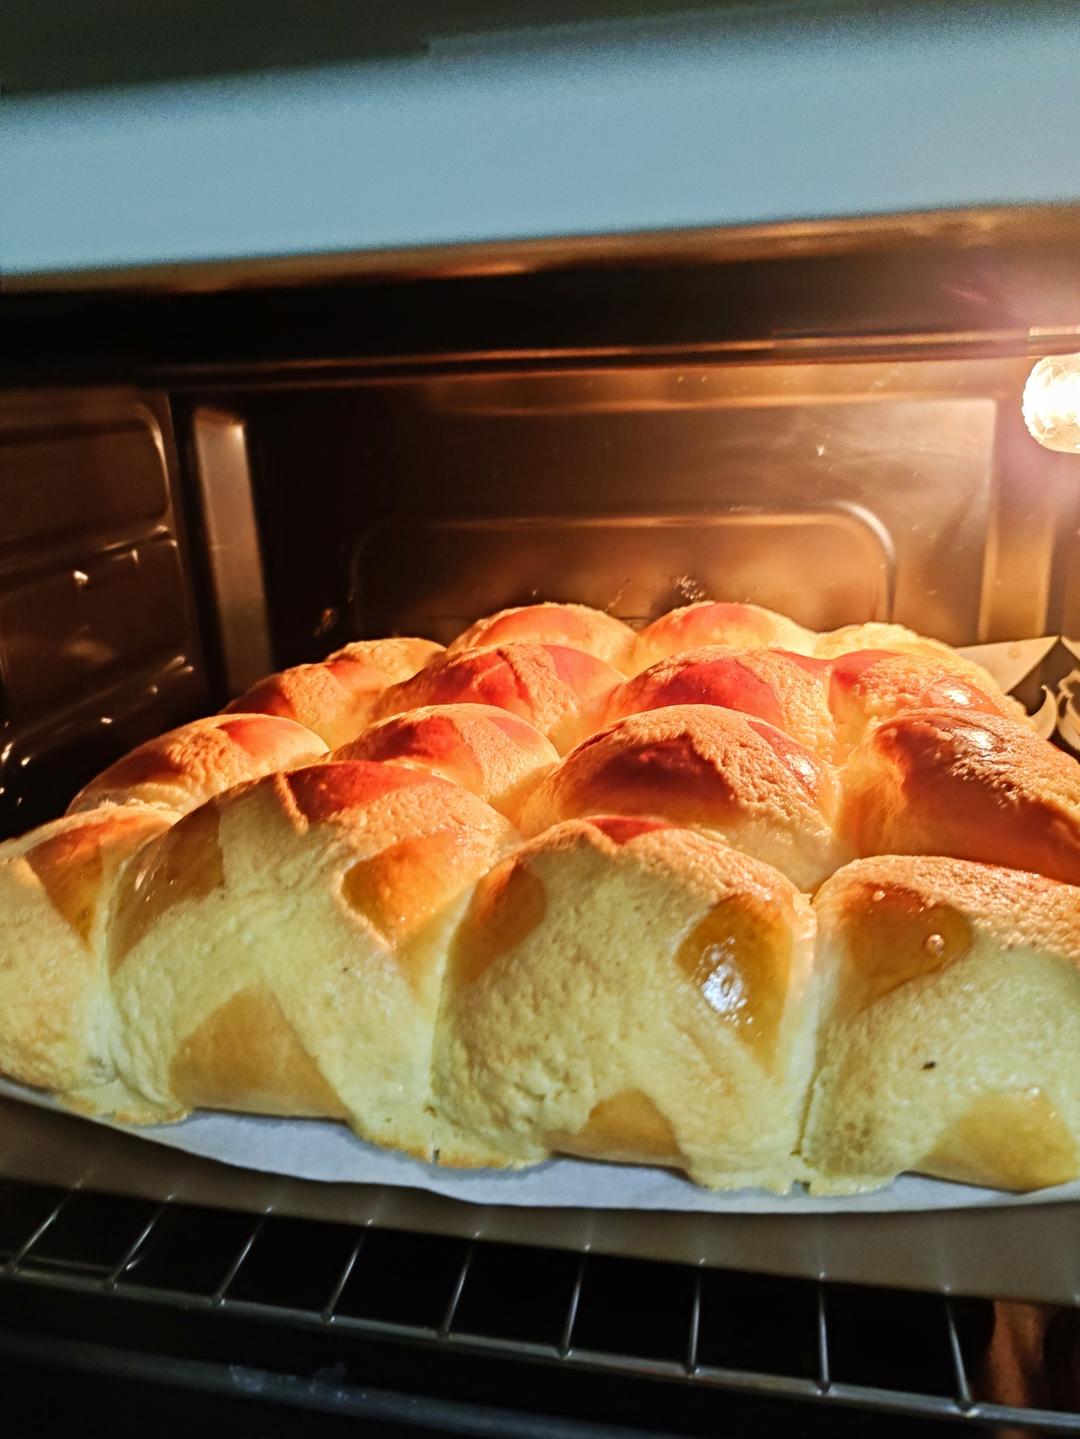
{"x": 737, "y": 116}
{"x": 54, "y": 45}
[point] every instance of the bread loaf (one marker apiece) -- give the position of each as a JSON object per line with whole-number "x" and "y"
{"x": 787, "y": 690}
{"x": 868, "y": 687}
{"x": 488, "y": 751}
{"x": 576, "y": 626}
{"x": 951, "y": 1041}
{"x": 235, "y": 917}
{"x": 335, "y": 698}
{"x": 975, "y": 787}
{"x": 559, "y": 690}
{"x": 710, "y": 623}
{"x": 875, "y": 636}
{"x": 56, "y": 884}
{"x": 709, "y": 768}
{"x": 179, "y": 770}
{"x": 313, "y": 992}
{"x": 621, "y": 989}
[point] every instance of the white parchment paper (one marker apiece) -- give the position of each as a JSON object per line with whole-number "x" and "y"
{"x": 325, "y": 1150}
{"x": 328, "y": 1151}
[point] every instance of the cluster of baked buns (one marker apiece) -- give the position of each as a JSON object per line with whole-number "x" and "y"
{"x": 723, "y": 895}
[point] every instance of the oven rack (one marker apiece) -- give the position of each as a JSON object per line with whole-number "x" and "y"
{"x": 710, "y": 1337}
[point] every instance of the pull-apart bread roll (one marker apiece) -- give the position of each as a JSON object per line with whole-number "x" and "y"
{"x": 713, "y": 623}
{"x": 395, "y": 657}
{"x": 335, "y": 698}
{"x": 827, "y": 705}
{"x": 625, "y": 990}
{"x": 878, "y": 636}
{"x": 179, "y": 770}
{"x": 869, "y": 687}
{"x": 707, "y": 768}
{"x": 559, "y": 690}
{"x": 787, "y": 690}
{"x": 281, "y": 949}
{"x": 488, "y": 751}
{"x": 952, "y": 1044}
{"x": 55, "y": 888}
{"x": 973, "y": 786}
{"x": 576, "y": 626}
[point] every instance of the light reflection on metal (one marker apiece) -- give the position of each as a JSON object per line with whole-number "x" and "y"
{"x": 223, "y": 473}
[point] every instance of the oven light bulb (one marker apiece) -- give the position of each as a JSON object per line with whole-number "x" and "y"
{"x": 1051, "y": 403}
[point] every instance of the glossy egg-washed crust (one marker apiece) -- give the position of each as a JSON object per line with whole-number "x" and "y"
{"x": 791, "y": 906}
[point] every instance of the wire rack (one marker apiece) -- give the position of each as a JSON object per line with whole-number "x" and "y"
{"x": 717, "y": 1335}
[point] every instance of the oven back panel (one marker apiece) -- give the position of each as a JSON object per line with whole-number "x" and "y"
{"x": 833, "y": 492}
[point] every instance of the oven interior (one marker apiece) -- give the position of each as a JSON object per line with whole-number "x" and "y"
{"x": 200, "y": 488}
{"x": 164, "y": 551}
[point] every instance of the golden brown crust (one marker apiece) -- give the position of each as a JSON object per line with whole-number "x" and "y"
{"x": 395, "y": 658}
{"x": 787, "y": 690}
{"x": 404, "y": 887}
{"x": 739, "y": 956}
{"x": 1007, "y": 1141}
{"x": 70, "y": 863}
{"x": 974, "y": 787}
{"x": 713, "y": 623}
{"x": 491, "y": 752}
{"x": 340, "y": 790}
{"x": 179, "y": 770}
{"x": 332, "y": 699}
{"x": 829, "y": 705}
{"x": 627, "y": 1127}
{"x": 869, "y": 687}
{"x": 183, "y": 866}
{"x": 505, "y": 909}
{"x": 1025, "y": 910}
{"x": 576, "y": 626}
{"x": 558, "y": 690}
{"x": 706, "y": 767}
{"x": 335, "y": 698}
{"x": 850, "y": 639}
{"x": 896, "y": 935}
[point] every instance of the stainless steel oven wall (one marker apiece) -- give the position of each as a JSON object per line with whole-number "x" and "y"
{"x": 837, "y": 492}
{"x": 98, "y": 640}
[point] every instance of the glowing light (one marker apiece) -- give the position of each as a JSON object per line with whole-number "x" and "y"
{"x": 1051, "y": 403}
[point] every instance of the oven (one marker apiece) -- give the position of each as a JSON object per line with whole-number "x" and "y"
{"x": 211, "y": 471}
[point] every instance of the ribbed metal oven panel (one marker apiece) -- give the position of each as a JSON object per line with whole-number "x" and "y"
{"x": 99, "y": 644}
